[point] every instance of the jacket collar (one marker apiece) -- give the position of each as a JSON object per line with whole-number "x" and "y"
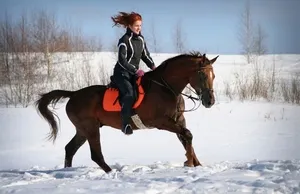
{"x": 130, "y": 32}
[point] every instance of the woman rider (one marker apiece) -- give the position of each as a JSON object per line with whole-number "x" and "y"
{"x": 131, "y": 49}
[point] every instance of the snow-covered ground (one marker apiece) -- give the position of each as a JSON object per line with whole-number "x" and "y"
{"x": 245, "y": 147}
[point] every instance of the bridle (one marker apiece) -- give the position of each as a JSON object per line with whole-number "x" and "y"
{"x": 164, "y": 84}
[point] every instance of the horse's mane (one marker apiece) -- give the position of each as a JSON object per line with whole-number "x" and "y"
{"x": 193, "y": 54}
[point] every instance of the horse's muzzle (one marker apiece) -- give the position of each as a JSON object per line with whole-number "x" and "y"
{"x": 208, "y": 98}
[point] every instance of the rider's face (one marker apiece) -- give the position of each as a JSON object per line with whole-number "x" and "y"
{"x": 136, "y": 26}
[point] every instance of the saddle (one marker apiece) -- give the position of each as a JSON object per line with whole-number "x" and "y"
{"x": 112, "y": 83}
{"x": 112, "y": 99}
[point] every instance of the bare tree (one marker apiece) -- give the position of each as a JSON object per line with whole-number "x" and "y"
{"x": 81, "y": 43}
{"x": 45, "y": 33}
{"x": 114, "y": 44}
{"x": 5, "y": 48}
{"x": 154, "y": 40}
{"x": 260, "y": 47}
{"x": 28, "y": 56}
{"x": 252, "y": 39}
{"x": 178, "y": 38}
{"x": 6, "y": 30}
{"x": 19, "y": 64}
{"x": 246, "y": 36}
{"x": 93, "y": 44}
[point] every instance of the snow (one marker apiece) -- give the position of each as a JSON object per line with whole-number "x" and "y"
{"x": 225, "y": 177}
{"x": 245, "y": 147}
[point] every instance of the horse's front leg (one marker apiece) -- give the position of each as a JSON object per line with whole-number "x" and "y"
{"x": 179, "y": 128}
{"x": 189, "y": 146}
{"x": 186, "y": 140}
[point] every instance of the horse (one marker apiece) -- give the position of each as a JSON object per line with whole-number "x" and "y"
{"x": 162, "y": 106}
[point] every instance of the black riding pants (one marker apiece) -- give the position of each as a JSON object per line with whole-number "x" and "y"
{"x": 126, "y": 89}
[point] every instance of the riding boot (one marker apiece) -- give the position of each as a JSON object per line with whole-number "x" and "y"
{"x": 126, "y": 116}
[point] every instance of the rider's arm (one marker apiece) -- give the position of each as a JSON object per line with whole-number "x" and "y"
{"x": 146, "y": 56}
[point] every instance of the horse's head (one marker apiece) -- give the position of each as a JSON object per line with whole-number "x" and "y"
{"x": 201, "y": 80}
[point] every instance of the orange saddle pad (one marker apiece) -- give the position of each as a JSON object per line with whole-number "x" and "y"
{"x": 111, "y": 101}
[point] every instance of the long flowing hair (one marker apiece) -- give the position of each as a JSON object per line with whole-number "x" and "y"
{"x": 125, "y": 19}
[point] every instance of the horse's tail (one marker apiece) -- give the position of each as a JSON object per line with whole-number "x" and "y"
{"x": 42, "y": 107}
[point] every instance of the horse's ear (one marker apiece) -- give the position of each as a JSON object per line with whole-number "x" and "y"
{"x": 214, "y": 60}
{"x": 203, "y": 58}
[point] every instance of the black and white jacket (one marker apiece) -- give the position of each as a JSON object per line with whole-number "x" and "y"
{"x": 131, "y": 49}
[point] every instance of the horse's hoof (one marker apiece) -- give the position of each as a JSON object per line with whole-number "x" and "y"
{"x": 188, "y": 164}
{"x": 108, "y": 171}
{"x": 197, "y": 164}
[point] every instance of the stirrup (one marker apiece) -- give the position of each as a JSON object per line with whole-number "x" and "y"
{"x": 127, "y": 130}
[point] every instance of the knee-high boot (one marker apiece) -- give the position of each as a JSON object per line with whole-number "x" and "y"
{"x": 126, "y": 112}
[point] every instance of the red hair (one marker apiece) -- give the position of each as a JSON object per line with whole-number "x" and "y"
{"x": 125, "y": 19}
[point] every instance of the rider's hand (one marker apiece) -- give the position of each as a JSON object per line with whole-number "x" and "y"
{"x": 140, "y": 73}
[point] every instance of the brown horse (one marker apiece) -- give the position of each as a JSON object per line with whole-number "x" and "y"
{"x": 162, "y": 106}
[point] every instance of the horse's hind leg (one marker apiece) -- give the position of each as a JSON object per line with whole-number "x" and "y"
{"x": 93, "y": 138}
{"x": 72, "y": 147}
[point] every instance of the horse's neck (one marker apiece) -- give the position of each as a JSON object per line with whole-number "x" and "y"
{"x": 176, "y": 79}
{"x": 177, "y": 83}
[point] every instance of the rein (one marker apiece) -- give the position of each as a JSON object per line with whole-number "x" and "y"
{"x": 166, "y": 85}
